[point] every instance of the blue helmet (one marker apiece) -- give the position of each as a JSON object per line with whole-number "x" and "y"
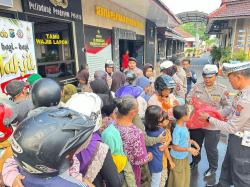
{"x": 164, "y": 82}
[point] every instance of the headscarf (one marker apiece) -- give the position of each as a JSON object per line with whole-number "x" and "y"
{"x": 69, "y": 90}
{"x": 100, "y": 87}
{"x": 86, "y": 155}
{"x": 83, "y": 75}
{"x": 145, "y": 68}
{"x": 118, "y": 80}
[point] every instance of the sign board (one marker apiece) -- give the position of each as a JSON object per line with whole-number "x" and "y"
{"x": 17, "y": 52}
{"x": 64, "y": 9}
{"x": 51, "y": 39}
{"x": 115, "y": 16}
{"x": 98, "y": 48}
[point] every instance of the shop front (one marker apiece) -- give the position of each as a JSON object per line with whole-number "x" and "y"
{"x": 58, "y": 36}
{"x": 110, "y": 32}
{"x": 58, "y": 32}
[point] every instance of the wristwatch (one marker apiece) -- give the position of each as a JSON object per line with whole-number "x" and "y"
{"x": 208, "y": 118}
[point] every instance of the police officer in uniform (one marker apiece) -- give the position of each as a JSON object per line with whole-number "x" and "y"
{"x": 236, "y": 166}
{"x": 214, "y": 94}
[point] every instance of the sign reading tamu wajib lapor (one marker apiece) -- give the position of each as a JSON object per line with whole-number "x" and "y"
{"x": 17, "y": 52}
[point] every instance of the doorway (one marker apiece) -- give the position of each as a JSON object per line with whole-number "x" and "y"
{"x": 126, "y": 45}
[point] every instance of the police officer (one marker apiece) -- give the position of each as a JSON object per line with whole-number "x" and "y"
{"x": 214, "y": 94}
{"x": 236, "y": 166}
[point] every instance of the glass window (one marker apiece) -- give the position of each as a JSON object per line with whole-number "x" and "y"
{"x": 54, "y": 48}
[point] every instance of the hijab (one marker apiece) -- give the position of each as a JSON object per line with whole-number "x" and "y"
{"x": 118, "y": 80}
{"x": 100, "y": 87}
{"x": 146, "y": 67}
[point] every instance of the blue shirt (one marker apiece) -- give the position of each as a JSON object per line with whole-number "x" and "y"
{"x": 63, "y": 180}
{"x": 180, "y": 137}
{"x": 155, "y": 166}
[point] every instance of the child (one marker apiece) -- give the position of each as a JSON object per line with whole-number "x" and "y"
{"x": 153, "y": 116}
{"x": 165, "y": 123}
{"x": 180, "y": 175}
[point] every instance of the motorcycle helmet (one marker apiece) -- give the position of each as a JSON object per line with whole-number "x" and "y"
{"x": 88, "y": 104}
{"x": 43, "y": 145}
{"x": 45, "y": 93}
{"x": 109, "y": 64}
{"x": 163, "y": 82}
{"x": 8, "y": 114}
{"x": 130, "y": 76}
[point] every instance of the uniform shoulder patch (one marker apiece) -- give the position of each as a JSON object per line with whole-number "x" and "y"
{"x": 238, "y": 110}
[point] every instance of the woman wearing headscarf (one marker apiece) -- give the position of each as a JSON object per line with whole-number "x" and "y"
{"x": 67, "y": 91}
{"x": 100, "y": 87}
{"x": 83, "y": 77}
{"x": 148, "y": 71}
{"x": 118, "y": 80}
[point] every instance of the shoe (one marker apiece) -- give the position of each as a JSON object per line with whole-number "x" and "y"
{"x": 209, "y": 172}
{"x": 194, "y": 165}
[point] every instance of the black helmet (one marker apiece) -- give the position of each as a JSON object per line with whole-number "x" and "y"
{"x": 45, "y": 93}
{"x": 130, "y": 76}
{"x": 42, "y": 143}
{"x": 164, "y": 81}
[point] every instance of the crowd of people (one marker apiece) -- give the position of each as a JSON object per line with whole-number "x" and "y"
{"x": 123, "y": 128}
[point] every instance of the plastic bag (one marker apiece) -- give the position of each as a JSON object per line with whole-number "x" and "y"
{"x": 199, "y": 107}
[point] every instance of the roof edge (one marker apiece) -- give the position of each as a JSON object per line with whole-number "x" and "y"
{"x": 164, "y": 7}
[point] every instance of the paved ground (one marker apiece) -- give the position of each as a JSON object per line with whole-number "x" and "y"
{"x": 197, "y": 179}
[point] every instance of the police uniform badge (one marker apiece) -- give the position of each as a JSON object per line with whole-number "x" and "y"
{"x": 238, "y": 110}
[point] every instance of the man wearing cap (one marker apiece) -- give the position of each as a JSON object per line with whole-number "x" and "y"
{"x": 132, "y": 67}
{"x": 216, "y": 95}
{"x": 109, "y": 68}
{"x": 236, "y": 165}
{"x": 168, "y": 68}
{"x": 19, "y": 93}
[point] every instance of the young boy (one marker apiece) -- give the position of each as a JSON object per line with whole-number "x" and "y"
{"x": 180, "y": 175}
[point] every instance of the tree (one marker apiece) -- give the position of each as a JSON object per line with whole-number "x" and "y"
{"x": 191, "y": 28}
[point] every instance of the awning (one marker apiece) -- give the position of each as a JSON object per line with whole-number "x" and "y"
{"x": 153, "y": 10}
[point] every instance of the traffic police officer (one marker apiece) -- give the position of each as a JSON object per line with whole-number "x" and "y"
{"x": 214, "y": 94}
{"x": 236, "y": 166}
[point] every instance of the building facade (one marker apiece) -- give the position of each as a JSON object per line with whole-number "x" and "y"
{"x": 231, "y": 23}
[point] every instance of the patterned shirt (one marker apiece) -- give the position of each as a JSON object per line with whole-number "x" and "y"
{"x": 133, "y": 144}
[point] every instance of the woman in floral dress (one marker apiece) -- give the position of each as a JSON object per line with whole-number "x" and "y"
{"x": 132, "y": 137}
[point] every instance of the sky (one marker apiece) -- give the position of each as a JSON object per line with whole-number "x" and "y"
{"x": 206, "y": 6}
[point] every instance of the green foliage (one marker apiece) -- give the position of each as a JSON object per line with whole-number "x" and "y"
{"x": 191, "y": 28}
{"x": 211, "y": 42}
{"x": 225, "y": 55}
{"x": 220, "y": 55}
{"x": 216, "y": 53}
{"x": 240, "y": 55}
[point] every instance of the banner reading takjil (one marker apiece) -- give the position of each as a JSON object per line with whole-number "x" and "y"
{"x": 17, "y": 52}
